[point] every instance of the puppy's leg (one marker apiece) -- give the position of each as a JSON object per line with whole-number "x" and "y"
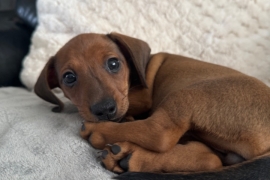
{"x": 193, "y": 156}
{"x": 157, "y": 133}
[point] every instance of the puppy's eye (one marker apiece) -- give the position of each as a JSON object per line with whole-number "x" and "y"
{"x": 69, "y": 78}
{"x": 113, "y": 65}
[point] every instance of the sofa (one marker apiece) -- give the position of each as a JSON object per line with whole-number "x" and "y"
{"x": 36, "y": 143}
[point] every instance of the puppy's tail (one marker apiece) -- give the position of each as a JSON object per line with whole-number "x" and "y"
{"x": 258, "y": 169}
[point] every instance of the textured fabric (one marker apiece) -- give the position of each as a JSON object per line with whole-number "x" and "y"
{"x": 36, "y": 143}
{"x": 230, "y": 33}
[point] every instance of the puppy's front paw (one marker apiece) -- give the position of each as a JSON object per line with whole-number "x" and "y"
{"x": 97, "y": 140}
{"x": 122, "y": 157}
{"x": 89, "y": 133}
{"x": 87, "y": 129}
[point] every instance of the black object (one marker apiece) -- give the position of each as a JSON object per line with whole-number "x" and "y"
{"x": 18, "y": 20}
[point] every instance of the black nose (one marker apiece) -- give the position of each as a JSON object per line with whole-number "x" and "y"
{"x": 104, "y": 110}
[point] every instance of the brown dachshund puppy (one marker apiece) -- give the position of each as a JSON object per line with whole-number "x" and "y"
{"x": 198, "y": 115}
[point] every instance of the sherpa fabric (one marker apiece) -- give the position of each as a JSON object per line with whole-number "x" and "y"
{"x": 231, "y": 33}
{"x": 38, "y": 144}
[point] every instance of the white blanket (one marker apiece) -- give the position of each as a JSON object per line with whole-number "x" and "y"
{"x": 38, "y": 144}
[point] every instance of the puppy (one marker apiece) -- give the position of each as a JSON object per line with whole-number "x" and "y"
{"x": 224, "y": 113}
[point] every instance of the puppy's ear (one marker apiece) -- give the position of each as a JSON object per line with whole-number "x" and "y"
{"x": 137, "y": 53}
{"x": 48, "y": 80}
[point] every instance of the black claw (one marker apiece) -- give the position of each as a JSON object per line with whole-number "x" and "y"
{"x": 115, "y": 149}
{"x": 89, "y": 140}
{"x": 104, "y": 154}
{"x": 83, "y": 126}
{"x": 103, "y": 165}
{"x": 124, "y": 162}
{"x": 57, "y": 109}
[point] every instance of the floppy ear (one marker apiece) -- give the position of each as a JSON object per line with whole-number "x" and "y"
{"x": 48, "y": 80}
{"x": 137, "y": 53}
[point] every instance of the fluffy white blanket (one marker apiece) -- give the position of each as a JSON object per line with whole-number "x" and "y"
{"x": 38, "y": 144}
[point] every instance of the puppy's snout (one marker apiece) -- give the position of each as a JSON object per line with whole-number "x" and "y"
{"x": 104, "y": 110}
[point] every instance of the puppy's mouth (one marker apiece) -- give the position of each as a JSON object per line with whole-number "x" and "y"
{"x": 113, "y": 120}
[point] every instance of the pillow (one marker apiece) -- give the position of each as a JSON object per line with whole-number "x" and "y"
{"x": 231, "y": 33}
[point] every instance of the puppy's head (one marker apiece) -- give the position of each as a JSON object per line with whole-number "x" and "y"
{"x": 95, "y": 72}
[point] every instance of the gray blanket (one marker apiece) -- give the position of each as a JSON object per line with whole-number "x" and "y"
{"x": 36, "y": 143}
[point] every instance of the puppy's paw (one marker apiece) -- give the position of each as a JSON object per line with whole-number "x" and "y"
{"x": 122, "y": 157}
{"x": 90, "y": 132}
{"x": 96, "y": 140}
{"x": 87, "y": 129}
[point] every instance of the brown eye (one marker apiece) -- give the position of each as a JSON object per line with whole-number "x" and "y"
{"x": 69, "y": 79}
{"x": 113, "y": 65}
